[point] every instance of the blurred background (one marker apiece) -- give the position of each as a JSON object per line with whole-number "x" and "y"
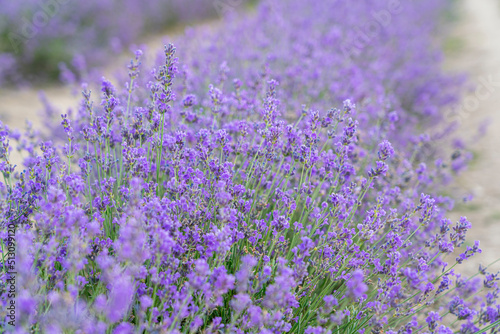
{"x": 472, "y": 46}
{"x": 50, "y": 45}
{"x": 39, "y": 38}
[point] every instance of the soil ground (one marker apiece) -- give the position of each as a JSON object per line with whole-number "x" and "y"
{"x": 473, "y": 47}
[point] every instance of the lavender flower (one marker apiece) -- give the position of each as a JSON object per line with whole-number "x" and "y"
{"x": 199, "y": 195}
{"x": 356, "y": 287}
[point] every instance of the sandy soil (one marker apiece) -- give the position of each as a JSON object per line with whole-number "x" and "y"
{"x": 17, "y": 106}
{"x": 475, "y": 49}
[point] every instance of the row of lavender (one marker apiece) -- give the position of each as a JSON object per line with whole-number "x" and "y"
{"x": 37, "y": 36}
{"x": 224, "y": 192}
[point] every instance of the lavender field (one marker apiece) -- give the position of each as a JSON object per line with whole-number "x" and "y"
{"x": 230, "y": 166}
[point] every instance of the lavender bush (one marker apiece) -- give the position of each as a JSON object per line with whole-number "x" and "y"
{"x": 37, "y": 36}
{"x": 268, "y": 177}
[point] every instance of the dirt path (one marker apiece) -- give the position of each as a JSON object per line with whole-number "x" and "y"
{"x": 476, "y": 36}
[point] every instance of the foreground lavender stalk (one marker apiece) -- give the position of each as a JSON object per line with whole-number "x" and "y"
{"x": 243, "y": 192}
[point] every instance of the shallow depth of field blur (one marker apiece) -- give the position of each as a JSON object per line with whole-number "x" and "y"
{"x": 250, "y": 166}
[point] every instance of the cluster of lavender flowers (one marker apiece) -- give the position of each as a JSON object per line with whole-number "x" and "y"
{"x": 37, "y": 37}
{"x": 266, "y": 177}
